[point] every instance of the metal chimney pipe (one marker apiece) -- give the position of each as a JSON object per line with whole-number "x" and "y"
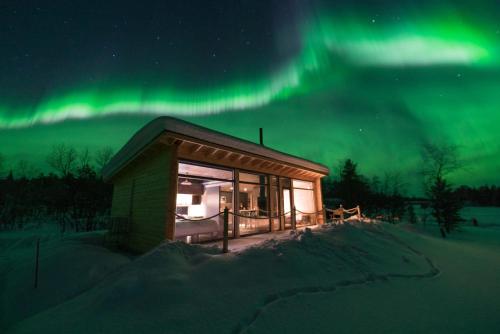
{"x": 261, "y": 136}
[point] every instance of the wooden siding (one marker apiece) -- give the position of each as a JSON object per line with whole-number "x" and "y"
{"x": 142, "y": 192}
{"x": 319, "y": 200}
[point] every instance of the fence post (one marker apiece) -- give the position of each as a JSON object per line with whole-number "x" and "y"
{"x": 325, "y": 220}
{"x": 359, "y": 212}
{"x": 294, "y": 221}
{"x": 37, "y": 257}
{"x": 226, "y": 231}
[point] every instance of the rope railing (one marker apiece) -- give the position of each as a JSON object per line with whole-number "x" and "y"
{"x": 354, "y": 210}
{"x": 198, "y": 219}
{"x": 234, "y": 214}
{"x": 336, "y": 212}
{"x": 309, "y": 213}
{"x": 252, "y": 217}
{"x": 341, "y": 211}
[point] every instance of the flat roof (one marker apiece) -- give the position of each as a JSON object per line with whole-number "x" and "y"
{"x": 165, "y": 124}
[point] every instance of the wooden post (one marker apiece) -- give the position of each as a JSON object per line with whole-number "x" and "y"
{"x": 270, "y": 202}
{"x": 319, "y": 200}
{"x": 359, "y": 212}
{"x": 37, "y": 257}
{"x": 236, "y": 204}
{"x": 226, "y": 231}
{"x": 292, "y": 206}
{"x": 281, "y": 211}
{"x": 324, "y": 215}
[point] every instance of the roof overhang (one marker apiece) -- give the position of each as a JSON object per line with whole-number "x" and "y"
{"x": 205, "y": 145}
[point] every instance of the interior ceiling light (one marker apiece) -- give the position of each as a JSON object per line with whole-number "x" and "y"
{"x": 186, "y": 182}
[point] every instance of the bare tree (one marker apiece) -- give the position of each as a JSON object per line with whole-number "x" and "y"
{"x": 84, "y": 158}
{"x": 393, "y": 189}
{"x": 2, "y": 165}
{"x": 24, "y": 169}
{"x": 394, "y": 183}
{"x": 103, "y": 156}
{"x": 438, "y": 163}
{"x": 62, "y": 158}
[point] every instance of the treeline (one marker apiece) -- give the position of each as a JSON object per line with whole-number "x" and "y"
{"x": 73, "y": 195}
{"x": 480, "y": 196}
{"x": 386, "y": 199}
{"x": 377, "y": 197}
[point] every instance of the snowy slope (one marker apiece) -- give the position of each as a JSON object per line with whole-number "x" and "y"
{"x": 68, "y": 266}
{"x": 376, "y": 278}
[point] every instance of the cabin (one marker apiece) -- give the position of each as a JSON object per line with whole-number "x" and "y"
{"x": 173, "y": 178}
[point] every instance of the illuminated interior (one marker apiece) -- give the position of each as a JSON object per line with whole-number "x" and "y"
{"x": 253, "y": 204}
{"x": 263, "y": 203}
{"x": 202, "y": 192}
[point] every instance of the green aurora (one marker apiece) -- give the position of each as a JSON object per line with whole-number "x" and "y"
{"x": 360, "y": 86}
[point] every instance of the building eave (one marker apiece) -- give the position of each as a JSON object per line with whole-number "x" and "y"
{"x": 174, "y": 128}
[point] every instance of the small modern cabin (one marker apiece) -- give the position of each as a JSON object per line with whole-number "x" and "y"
{"x": 173, "y": 177}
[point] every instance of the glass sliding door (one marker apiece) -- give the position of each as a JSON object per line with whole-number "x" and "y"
{"x": 253, "y": 203}
{"x": 202, "y": 192}
{"x": 303, "y": 197}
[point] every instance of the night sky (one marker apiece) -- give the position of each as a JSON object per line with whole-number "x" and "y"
{"x": 327, "y": 80}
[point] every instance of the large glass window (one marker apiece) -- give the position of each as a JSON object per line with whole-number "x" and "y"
{"x": 302, "y": 184}
{"x": 253, "y": 178}
{"x": 303, "y": 199}
{"x": 202, "y": 193}
{"x": 253, "y": 204}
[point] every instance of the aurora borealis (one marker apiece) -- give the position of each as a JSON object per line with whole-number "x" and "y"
{"x": 370, "y": 80}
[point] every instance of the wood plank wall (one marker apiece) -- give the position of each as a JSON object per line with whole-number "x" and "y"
{"x": 141, "y": 192}
{"x": 319, "y": 200}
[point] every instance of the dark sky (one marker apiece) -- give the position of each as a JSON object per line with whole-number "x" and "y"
{"x": 193, "y": 43}
{"x": 369, "y": 80}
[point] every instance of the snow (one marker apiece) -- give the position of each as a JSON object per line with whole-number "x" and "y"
{"x": 352, "y": 278}
{"x": 68, "y": 267}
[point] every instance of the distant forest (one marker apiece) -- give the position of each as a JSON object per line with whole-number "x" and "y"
{"x": 75, "y": 196}
{"x": 378, "y": 194}
{"x": 481, "y": 196}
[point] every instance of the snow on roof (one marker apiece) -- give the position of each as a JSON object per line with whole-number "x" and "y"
{"x": 160, "y": 125}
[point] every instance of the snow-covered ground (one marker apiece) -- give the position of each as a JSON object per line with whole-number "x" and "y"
{"x": 355, "y": 278}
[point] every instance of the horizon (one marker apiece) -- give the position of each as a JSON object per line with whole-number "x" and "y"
{"x": 369, "y": 81}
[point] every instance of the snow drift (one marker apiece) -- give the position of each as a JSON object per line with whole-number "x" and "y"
{"x": 318, "y": 281}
